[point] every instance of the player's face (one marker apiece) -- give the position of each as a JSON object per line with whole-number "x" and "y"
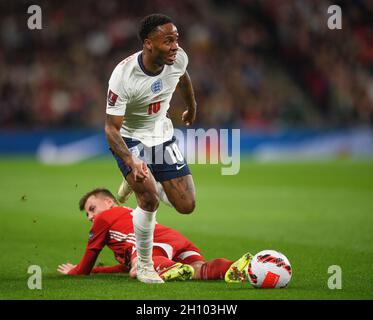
{"x": 97, "y": 204}
{"x": 163, "y": 44}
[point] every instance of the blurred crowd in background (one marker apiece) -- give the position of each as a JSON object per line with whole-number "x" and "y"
{"x": 254, "y": 64}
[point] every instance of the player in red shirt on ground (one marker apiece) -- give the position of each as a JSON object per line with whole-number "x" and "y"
{"x": 174, "y": 256}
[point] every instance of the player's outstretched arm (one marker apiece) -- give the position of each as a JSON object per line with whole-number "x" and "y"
{"x": 118, "y": 268}
{"x": 84, "y": 267}
{"x": 186, "y": 89}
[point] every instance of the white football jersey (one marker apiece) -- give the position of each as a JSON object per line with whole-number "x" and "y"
{"x": 143, "y": 99}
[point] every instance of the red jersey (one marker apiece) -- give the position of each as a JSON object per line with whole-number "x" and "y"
{"x": 114, "y": 228}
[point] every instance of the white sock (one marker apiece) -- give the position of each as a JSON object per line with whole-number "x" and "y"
{"x": 144, "y": 224}
{"x": 162, "y": 195}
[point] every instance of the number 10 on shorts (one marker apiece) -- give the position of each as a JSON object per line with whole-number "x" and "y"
{"x": 154, "y": 107}
{"x": 174, "y": 153}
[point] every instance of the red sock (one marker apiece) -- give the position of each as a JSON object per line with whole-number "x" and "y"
{"x": 161, "y": 262}
{"x": 215, "y": 269}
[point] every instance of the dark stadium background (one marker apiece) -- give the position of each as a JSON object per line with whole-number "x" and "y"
{"x": 254, "y": 64}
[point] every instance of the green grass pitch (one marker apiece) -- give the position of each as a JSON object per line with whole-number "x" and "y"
{"x": 318, "y": 214}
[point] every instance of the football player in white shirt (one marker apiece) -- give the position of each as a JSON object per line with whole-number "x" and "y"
{"x": 140, "y": 134}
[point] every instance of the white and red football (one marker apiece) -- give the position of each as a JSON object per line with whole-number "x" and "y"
{"x": 269, "y": 269}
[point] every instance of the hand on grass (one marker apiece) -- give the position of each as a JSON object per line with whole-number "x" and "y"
{"x": 65, "y": 268}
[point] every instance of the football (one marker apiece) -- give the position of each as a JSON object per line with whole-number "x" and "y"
{"x": 269, "y": 269}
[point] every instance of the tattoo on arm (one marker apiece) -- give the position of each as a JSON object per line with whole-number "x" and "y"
{"x": 115, "y": 139}
{"x": 118, "y": 145}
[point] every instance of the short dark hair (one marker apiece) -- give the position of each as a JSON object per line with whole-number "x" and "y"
{"x": 150, "y": 22}
{"x": 95, "y": 192}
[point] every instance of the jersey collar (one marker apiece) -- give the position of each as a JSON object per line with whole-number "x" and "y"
{"x": 148, "y": 73}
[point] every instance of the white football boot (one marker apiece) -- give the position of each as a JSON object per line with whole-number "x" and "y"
{"x": 147, "y": 274}
{"x": 124, "y": 191}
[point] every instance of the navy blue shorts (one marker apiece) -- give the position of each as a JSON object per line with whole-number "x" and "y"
{"x": 165, "y": 161}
